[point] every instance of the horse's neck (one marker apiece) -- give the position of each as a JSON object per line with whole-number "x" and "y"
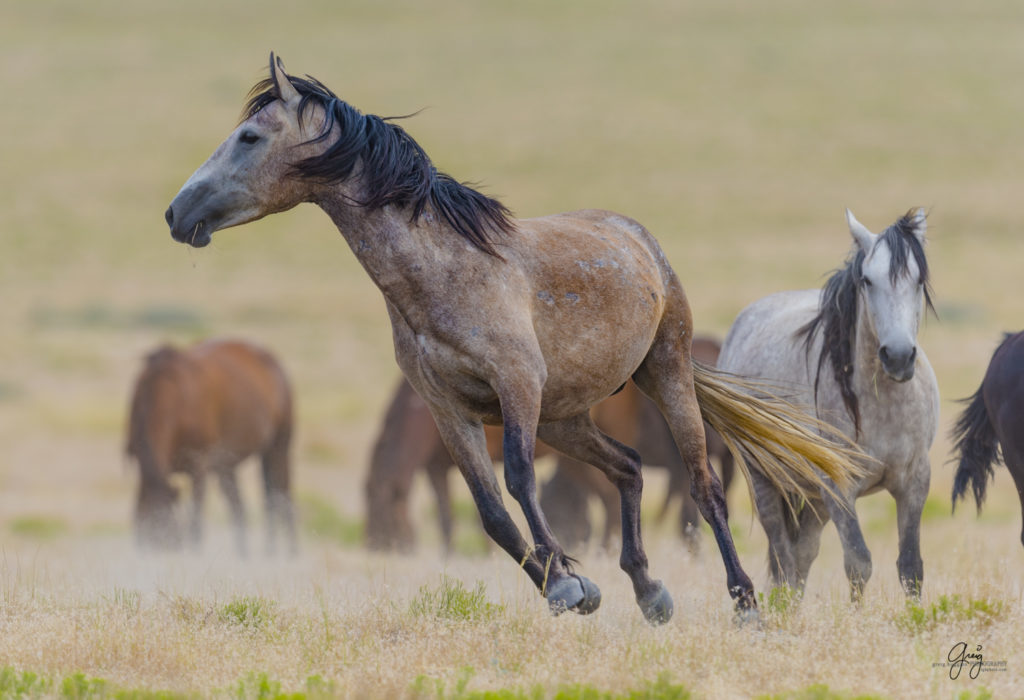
{"x": 394, "y": 252}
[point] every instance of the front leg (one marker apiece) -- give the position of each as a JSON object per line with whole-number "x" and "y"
{"x": 467, "y": 444}
{"x": 910, "y": 498}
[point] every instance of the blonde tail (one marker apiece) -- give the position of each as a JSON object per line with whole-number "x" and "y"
{"x": 789, "y": 446}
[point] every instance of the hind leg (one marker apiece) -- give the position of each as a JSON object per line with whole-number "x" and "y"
{"x": 579, "y": 438}
{"x": 195, "y": 524}
{"x": 229, "y": 487}
{"x": 775, "y": 518}
{"x": 807, "y": 540}
{"x": 666, "y": 376}
{"x": 277, "y": 493}
{"x": 856, "y": 557}
{"x": 1013, "y": 457}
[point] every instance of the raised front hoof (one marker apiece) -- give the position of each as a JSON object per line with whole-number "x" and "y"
{"x": 574, "y": 593}
{"x": 657, "y": 607}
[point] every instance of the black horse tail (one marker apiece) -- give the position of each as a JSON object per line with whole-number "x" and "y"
{"x": 978, "y": 447}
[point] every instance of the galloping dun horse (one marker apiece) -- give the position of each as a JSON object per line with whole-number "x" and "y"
{"x": 201, "y": 411}
{"x": 524, "y": 323}
{"x": 850, "y": 351}
{"x": 992, "y": 422}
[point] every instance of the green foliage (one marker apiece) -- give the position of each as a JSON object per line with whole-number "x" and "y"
{"x": 247, "y": 611}
{"x": 259, "y": 686}
{"x": 98, "y": 315}
{"x": 452, "y": 601}
{"x": 22, "y": 685}
{"x": 780, "y": 603}
{"x": 661, "y": 689}
{"x": 978, "y": 694}
{"x": 40, "y": 527}
{"x": 78, "y": 686}
{"x": 917, "y": 617}
{"x": 818, "y": 691}
{"x": 321, "y": 519}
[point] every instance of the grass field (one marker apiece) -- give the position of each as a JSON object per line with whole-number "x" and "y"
{"x": 736, "y": 132}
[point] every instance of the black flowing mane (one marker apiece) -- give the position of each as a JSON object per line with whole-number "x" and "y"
{"x": 395, "y": 169}
{"x": 837, "y": 315}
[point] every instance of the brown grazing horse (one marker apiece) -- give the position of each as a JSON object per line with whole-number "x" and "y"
{"x": 525, "y": 323}
{"x": 993, "y": 421}
{"x": 409, "y": 442}
{"x": 202, "y": 411}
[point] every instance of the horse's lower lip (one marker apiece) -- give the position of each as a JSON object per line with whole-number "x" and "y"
{"x": 198, "y": 235}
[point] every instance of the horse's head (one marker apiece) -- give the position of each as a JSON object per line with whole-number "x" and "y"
{"x": 893, "y": 283}
{"x": 251, "y": 173}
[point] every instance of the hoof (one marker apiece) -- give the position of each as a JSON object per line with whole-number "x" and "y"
{"x": 564, "y": 594}
{"x": 591, "y": 597}
{"x": 657, "y": 607}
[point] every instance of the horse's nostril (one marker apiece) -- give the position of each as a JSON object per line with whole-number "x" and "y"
{"x": 883, "y": 354}
{"x": 169, "y": 216}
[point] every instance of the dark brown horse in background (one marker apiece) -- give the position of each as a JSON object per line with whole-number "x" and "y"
{"x": 993, "y": 421}
{"x": 201, "y": 411}
{"x": 521, "y": 322}
{"x": 409, "y": 442}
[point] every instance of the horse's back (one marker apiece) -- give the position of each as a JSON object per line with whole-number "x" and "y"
{"x": 764, "y": 340}
{"x": 597, "y": 287}
{"x": 247, "y": 388}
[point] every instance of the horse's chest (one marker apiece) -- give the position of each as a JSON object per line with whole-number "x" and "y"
{"x": 898, "y": 427}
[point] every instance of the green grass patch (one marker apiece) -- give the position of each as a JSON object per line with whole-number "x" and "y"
{"x": 322, "y": 520}
{"x": 102, "y": 316}
{"x": 78, "y": 686}
{"x": 918, "y": 617}
{"x": 425, "y": 687}
{"x": 39, "y": 527}
{"x": 259, "y": 686}
{"x": 779, "y": 603}
{"x": 818, "y": 691}
{"x": 451, "y": 600}
{"x": 247, "y": 611}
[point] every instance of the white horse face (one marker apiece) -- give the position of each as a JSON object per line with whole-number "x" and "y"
{"x": 247, "y": 177}
{"x": 894, "y": 303}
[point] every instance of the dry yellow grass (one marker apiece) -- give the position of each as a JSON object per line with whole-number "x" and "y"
{"x": 736, "y": 132}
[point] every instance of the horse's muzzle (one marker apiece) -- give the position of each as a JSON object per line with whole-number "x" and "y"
{"x": 898, "y": 363}
{"x": 196, "y": 235}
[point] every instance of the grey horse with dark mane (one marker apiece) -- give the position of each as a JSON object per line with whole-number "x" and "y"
{"x": 850, "y": 351}
{"x": 524, "y": 323}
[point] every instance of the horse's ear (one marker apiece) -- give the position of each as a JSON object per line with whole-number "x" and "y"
{"x": 285, "y": 90}
{"x": 865, "y": 239}
{"x": 919, "y": 222}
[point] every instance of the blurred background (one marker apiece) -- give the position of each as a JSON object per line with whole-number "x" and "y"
{"x": 735, "y": 131}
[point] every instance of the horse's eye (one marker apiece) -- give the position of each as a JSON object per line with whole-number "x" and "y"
{"x": 249, "y": 137}
{"x": 865, "y": 281}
